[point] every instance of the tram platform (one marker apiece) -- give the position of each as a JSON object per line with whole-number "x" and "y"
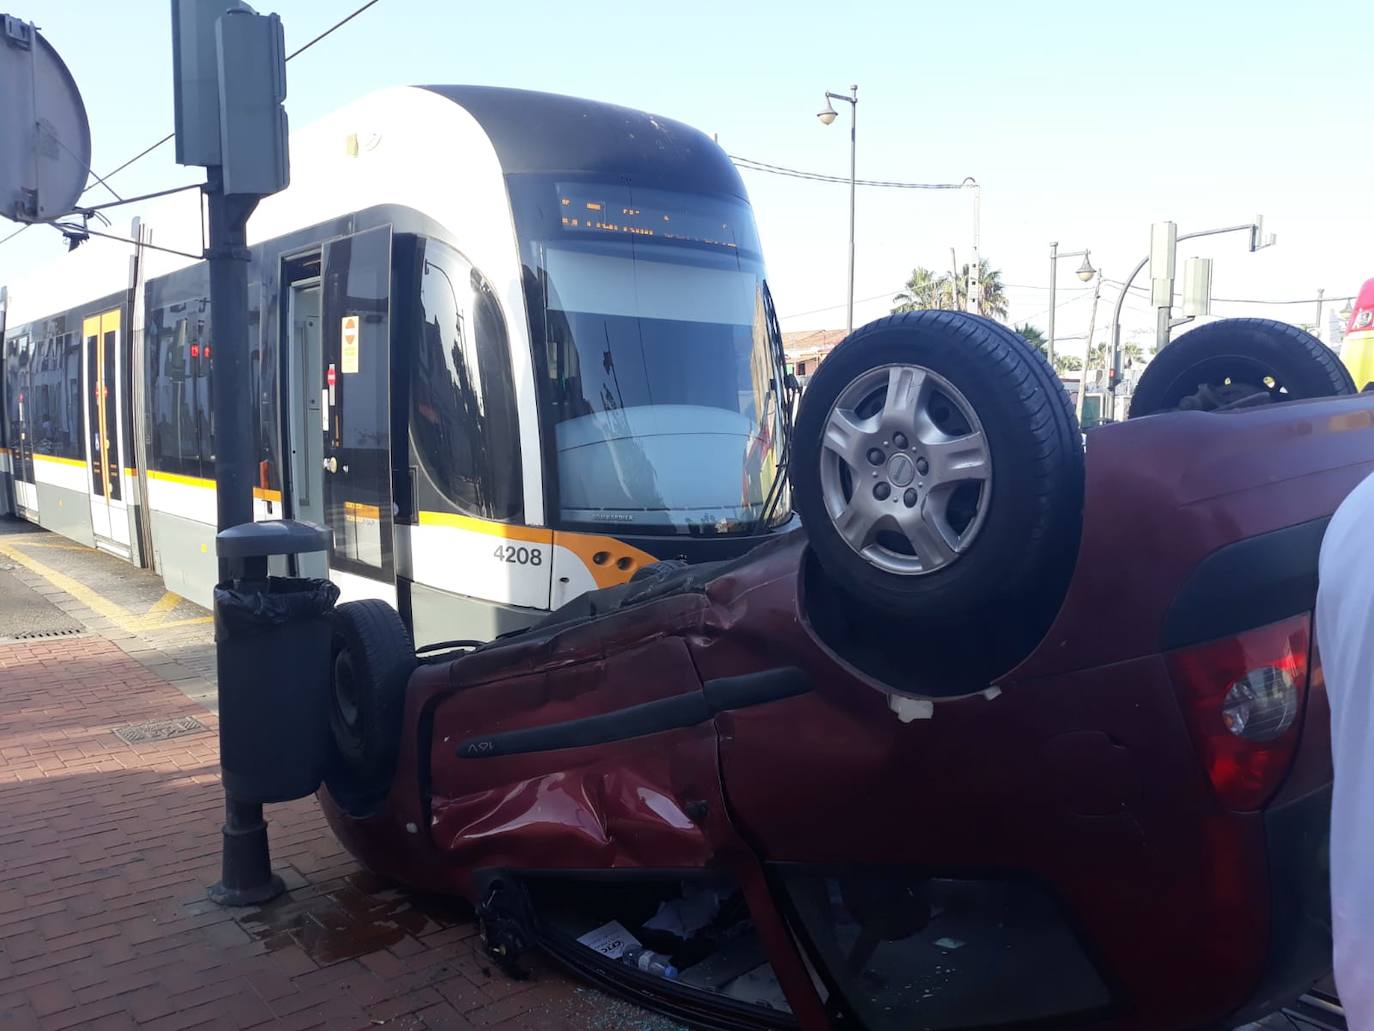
{"x": 111, "y": 803}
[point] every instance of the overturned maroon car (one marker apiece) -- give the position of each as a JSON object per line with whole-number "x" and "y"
{"x": 1013, "y": 731}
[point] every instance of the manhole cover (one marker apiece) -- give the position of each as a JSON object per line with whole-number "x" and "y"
{"x": 159, "y": 730}
{"x": 37, "y": 635}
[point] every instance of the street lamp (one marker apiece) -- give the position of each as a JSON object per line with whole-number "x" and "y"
{"x": 827, "y": 116}
{"x": 1085, "y": 273}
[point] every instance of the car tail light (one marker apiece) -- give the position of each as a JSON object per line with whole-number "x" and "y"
{"x": 1243, "y": 697}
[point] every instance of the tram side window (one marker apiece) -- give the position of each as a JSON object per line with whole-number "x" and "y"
{"x": 463, "y": 417}
{"x": 16, "y": 383}
{"x": 180, "y": 420}
{"x": 58, "y": 417}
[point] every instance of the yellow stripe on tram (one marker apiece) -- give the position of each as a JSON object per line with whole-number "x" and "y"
{"x": 189, "y": 481}
{"x": 59, "y": 460}
{"x": 533, "y": 534}
{"x": 261, "y": 493}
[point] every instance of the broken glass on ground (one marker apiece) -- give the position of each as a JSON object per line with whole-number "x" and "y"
{"x": 702, "y": 927}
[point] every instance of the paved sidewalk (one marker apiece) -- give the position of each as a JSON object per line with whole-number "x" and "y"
{"x": 106, "y": 848}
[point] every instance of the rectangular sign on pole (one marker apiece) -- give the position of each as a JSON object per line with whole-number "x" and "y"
{"x": 195, "y": 80}
{"x": 1197, "y": 286}
{"x": 1163, "y": 243}
{"x": 252, "y": 86}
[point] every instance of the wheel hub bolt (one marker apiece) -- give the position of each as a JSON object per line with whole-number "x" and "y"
{"x": 881, "y": 491}
{"x": 876, "y": 456}
{"x": 900, "y": 440}
{"x": 909, "y": 498}
{"x": 922, "y": 466}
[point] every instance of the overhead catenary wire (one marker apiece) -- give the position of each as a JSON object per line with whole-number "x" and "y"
{"x": 333, "y": 28}
{"x": 833, "y": 307}
{"x": 751, "y": 165}
{"x": 1143, "y": 292}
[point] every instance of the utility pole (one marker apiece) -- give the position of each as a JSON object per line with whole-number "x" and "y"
{"x": 954, "y": 283}
{"x": 228, "y": 255}
{"x": 1321, "y": 295}
{"x": 975, "y": 265}
{"x": 1049, "y": 342}
{"x": 1088, "y": 354}
{"x": 229, "y": 69}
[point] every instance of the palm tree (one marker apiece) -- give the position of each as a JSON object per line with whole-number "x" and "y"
{"x": 1067, "y": 363}
{"x": 923, "y": 290}
{"x": 1062, "y": 362}
{"x": 1033, "y": 336}
{"x": 992, "y": 294}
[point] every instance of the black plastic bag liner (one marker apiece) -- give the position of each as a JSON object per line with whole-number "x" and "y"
{"x": 240, "y": 613}
{"x": 274, "y": 662}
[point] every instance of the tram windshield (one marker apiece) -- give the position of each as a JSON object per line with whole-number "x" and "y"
{"x": 658, "y": 356}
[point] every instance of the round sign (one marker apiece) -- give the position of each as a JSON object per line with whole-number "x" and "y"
{"x": 329, "y": 376}
{"x": 47, "y": 152}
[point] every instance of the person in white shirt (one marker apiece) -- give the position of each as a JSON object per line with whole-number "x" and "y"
{"x": 1345, "y": 638}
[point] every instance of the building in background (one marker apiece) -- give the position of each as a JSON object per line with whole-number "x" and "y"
{"x": 806, "y": 349}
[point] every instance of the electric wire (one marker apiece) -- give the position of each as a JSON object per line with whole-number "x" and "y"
{"x": 751, "y": 165}
{"x": 101, "y": 180}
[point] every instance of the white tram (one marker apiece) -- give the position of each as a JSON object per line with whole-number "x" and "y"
{"x": 508, "y": 346}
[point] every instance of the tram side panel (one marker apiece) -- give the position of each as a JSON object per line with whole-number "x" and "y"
{"x": 18, "y": 351}
{"x": 6, "y": 478}
{"x": 52, "y": 385}
{"x": 178, "y": 361}
{"x": 6, "y": 426}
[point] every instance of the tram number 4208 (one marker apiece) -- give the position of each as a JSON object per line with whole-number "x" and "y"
{"x": 518, "y": 555}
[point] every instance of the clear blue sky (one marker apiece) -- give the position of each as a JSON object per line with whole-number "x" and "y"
{"x": 1083, "y": 122}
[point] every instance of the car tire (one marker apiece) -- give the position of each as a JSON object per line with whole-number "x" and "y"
{"x": 373, "y": 658}
{"x": 1028, "y": 509}
{"x": 1236, "y": 361}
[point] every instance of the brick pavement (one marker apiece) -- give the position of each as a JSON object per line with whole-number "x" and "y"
{"x": 106, "y": 850}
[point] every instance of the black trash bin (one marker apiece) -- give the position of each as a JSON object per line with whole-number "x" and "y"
{"x": 274, "y": 667}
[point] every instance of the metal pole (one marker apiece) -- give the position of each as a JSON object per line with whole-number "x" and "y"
{"x": 975, "y": 267}
{"x": 1321, "y": 293}
{"x": 1088, "y": 354}
{"x": 853, "y": 182}
{"x": 232, "y": 432}
{"x": 246, "y": 871}
{"x": 1162, "y": 317}
{"x": 1049, "y": 344}
{"x": 954, "y": 282}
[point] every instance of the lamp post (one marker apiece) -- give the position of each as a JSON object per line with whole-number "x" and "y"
{"x": 1085, "y": 273}
{"x": 827, "y": 116}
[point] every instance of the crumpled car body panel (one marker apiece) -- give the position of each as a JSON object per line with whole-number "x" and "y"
{"x": 1075, "y": 770}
